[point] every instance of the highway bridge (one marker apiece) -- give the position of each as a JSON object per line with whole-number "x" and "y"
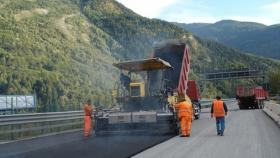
{"x": 249, "y": 133}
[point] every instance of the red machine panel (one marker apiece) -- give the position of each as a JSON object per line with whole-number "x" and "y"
{"x": 183, "y": 80}
{"x": 193, "y": 91}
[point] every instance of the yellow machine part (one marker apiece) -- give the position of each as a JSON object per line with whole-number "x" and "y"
{"x": 188, "y": 99}
{"x": 137, "y": 89}
{"x": 114, "y": 93}
{"x": 175, "y": 99}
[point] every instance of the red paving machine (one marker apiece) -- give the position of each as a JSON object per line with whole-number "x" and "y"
{"x": 147, "y": 91}
{"x": 251, "y": 98}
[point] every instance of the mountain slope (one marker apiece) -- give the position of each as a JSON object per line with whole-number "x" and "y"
{"x": 252, "y": 37}
{"x": 51, "y": 49}
{"x": 63, "y": 50}
{"x": 137, "y": 35}
{"x": 128, "y": 28}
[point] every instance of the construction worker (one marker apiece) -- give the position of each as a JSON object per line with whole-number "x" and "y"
{"x": 87, "y": 118}
{"x": 185, "y": 116}
{"x": 219, "y": 110}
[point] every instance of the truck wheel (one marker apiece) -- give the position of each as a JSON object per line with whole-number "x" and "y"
{"x": 257, "y": 105}
{"x": 176, "y": 131}
{"x": 260, "y": 105}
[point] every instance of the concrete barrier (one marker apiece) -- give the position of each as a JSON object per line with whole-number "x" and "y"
{"x": 273, "y": 111}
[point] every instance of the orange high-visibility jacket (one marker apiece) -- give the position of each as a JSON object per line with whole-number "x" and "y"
{"x": 185, "y": 109}
{"x": 88, "y": 110}
{"x": 218, "y": 108}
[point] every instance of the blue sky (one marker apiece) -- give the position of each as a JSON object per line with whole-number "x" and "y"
{"x": 208, "y": 11}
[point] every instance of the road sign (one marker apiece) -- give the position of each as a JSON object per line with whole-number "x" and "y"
{"x": 8, "y": 102}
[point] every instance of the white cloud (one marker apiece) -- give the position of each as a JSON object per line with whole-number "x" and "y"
{"x": 274, "y": 7}
{"x": 188, "y": 11}
{"x": 272, "y": 12}
{"x": 191, "y": 11}
{"x": 190, "y": 16}
{"x": 267, "y": 14}
{"x": 147, "y": 8}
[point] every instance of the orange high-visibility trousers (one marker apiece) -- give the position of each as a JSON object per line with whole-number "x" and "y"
{"x": 185, "y": 126}
{"x": 87, "y": 126}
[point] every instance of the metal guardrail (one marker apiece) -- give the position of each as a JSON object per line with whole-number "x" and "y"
{"x": 29, "y": 125}
{"x": 39, "y": 117}
{"x": 205, "y": 103}
{"x": 33, "y": 124}
{"x": 208, "y": 103}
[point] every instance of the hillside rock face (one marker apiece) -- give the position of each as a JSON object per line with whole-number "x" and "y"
{"x": 63, "y": 50}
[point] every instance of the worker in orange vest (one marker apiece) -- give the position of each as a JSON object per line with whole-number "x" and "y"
{"x": 87, "y": 118}
{"x": 185, "y": 116}
{"x": 219, "y": 110}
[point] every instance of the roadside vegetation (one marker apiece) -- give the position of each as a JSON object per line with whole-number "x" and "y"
{"x": 63, "y": 50}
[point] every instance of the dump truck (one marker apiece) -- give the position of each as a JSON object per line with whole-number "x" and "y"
{"x": 178, "y": 78}
{"x": 251, "y": 97}
{"x": 193, "y": 93}
{"x": 147, "y": 91}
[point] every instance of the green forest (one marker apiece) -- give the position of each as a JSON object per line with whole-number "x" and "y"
{"x": 63, "y": 50}
{"x": 253, "y": 37}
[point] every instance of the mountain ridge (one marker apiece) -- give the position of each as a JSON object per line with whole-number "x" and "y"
{"x": 63, "y": 50}
{"x": 252, "y": 37}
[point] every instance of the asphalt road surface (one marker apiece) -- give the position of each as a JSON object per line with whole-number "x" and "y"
{"x": 248, "y": 133}
{"x": 73, "y": 145}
